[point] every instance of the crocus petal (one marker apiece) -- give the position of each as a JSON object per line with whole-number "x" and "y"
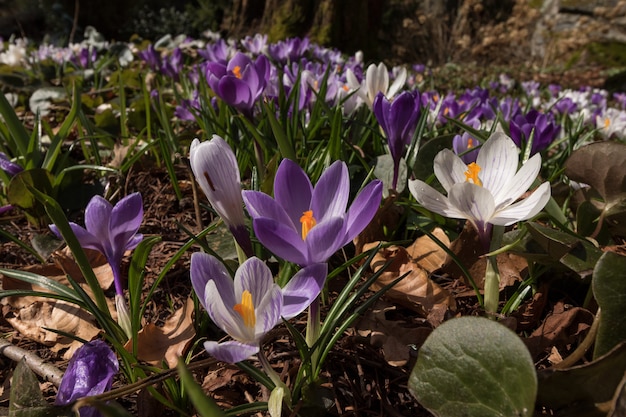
{"x": 325, "y": 239}
{"x": 231, "y": 351}
{"x": 498, "y": 159}
{"x": 433, "y": 200}
{"x": 254, "y": 276}
{"x": 261, "y": 205}
{"x": 268, "y": 312}
{"x": 524, "y": 209}
{"x": 363, "y": 209}
{"x": 449, "y": 169}
{"x": 397, "y": 84}
{"x": 520, "y": 183}
{"x": 205, "y": 267}
{"x": 290, "y": 177}
{"x": 351, "y": 80}
{"x": 97, "y": 218}
{"x": 281, "y": 239}
{"x": 126, "y": 217}
{"x": 89, "y": 372}
{"x": 330, "y": 196}
{"x": 86, "y": 239}
{"x": 214, "y": 166}
{"x": 475, "y": 202}
{"x": 235, "y": 92}
{"x": 302, "y": 289}
{"x": 223, "y": 314}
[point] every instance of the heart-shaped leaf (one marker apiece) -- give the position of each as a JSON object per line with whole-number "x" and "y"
{"x": 609, "y": 289}
{"x": 473, "y": 366}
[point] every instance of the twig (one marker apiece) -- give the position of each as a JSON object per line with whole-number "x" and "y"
{"x": 45, "y": 370}
{"x": 580, "y": 351}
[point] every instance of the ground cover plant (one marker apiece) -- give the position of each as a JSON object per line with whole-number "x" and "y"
{"x": 230, "y": 227}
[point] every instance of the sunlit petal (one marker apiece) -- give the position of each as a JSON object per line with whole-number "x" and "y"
{"x": 449, "y": 169}
{"x": 520, "y": 183}
{"x": 524, "y": 209}
{"x": 498, "y": 160}
{"x": 231, "y": 351}
{"x": 302, "y": 289}
{"x": 433, "y": 200}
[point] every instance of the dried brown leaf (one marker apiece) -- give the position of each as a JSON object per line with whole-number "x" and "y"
{"x": 154, "y": 344}
{"x": 387, "y": 216}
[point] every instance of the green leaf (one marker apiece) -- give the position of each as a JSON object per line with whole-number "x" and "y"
{"x": 423, "y": 167}
{"x": 384, "y": 172}
{"x": 609, "y": 289}
{"x": 473, "y": 366}
{"x": 19, "y": 195}
{"x": 19, "y": 134}
{"x": 204, "y": 404}
{"x": 26, "y": 399}
{"x": 582, "y": 386}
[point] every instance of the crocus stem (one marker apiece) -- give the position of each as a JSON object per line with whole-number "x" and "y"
{"x": 492, "y": 276}
{"x": 269, "y": 371}
{"x": 123, "y": 315}
{"x": 313, "y": 330}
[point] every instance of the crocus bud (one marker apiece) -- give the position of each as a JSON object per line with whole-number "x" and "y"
{"x": 214, "y": 165}
{"x": 90, "y": 372}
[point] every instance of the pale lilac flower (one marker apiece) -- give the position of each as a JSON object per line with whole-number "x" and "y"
{"x": 214, "y": 165}
{"x": 251, "y": 305}
{"x": 484, "y": 192}
{"x": 89, "y": 372}
{"x": 9, "y": 167}
{"x": 466, "y": 146}
{"x": 305, "y": 224}
{"x": 376, "y": 80}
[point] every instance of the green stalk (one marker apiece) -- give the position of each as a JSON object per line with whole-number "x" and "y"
{"x": 492, "y": 276}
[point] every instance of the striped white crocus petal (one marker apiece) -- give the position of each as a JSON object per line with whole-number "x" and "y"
{"x": 487, "y": 191}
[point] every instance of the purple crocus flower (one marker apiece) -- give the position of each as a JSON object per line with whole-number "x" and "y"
{"x": 398, "y": 119}
{"x": 544, "y": 127}
{"x": 111, "y": 231}
{"x": 214, "y": 165}
{"x": 241, "y": 82}
{"x": 9, "y": 167}
{"x": 251, "y": 305}
{"x": 89, "y": 372}
{"x": 466, "y": 147}
{"x": 305, "y": 224}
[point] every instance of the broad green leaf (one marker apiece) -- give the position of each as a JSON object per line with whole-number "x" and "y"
{"x": 423, "y": 167}
{"x": 384, "y": 172}
{"x": 473, "y": 366}
{"x": 26, "y": 399}
{"x": 582, "y": 386}
{"x": 19, "y": 195}
{"x": 601, "y": 165}
{"x": 609, "y": 289}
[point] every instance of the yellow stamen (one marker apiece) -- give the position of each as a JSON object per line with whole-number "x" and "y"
{"x": 246, "y": 309}
{"x": 470, "y": 143}
{"x": 308, "y": 222}
{"x": 472, "y": 174}
{"x": 237, "y": 71}
{"x": 607, "y": 123}
{"x": 345, "y": 88}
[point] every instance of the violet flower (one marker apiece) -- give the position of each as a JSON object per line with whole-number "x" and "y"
{"x": 89, "y": 372}
{"x": 111, "y": 230}
{"x": 398, "y": 119}
{"x": 214, "y": 165}
{"x": 241, "y": 82}
{"x": 305, "y": 224}
{"x": 543, "y": 125}
{"x": 251, "y": 305}
{"x": 466, "y": 147}
{"x": 9, "y": 167}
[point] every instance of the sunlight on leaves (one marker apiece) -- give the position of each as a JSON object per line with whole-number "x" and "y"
{"x": 473, "y": 366}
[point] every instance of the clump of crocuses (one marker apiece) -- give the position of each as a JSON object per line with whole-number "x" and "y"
{"x": 305, "y": 224}
{"x": 89, "y": 372}
{"x": 111, "y": 230}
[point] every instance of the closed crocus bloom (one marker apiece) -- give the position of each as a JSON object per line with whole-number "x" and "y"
{"x": 376, "y": 80}
{"x": 542, "y": 127}
{"x": 214, "y": 165}
{"x": 89, "y": 372}
{"x": 305, "y": 224}
{"x": 398, "y": 119}
{"x": 9, "y": 167}
{"x": 252, "y": 304}
{"x": 484, "y": 192}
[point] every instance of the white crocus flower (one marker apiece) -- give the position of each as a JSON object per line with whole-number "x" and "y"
{"x": 485, "y": 192}
{"x": 376, "y": 80}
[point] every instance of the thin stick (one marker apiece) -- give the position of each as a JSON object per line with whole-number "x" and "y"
{"x": 35, "y": 363}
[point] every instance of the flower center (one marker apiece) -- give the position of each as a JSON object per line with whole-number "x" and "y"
{"x": 607, "y": 122}
{"x": 472, "y": 174}
{"x": 308, "y": 222}
{"x": 237, "y": 71}
{"x": 246, "y": 309}
{"x": 470, "y": 144}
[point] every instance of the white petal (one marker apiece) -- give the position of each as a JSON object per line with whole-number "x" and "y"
{"x": 498, "y": 159}
{"x": 398, "y": 83}
{"x": 352, "y": 81}
{"x": 519, "y": 184}
{"x": 525, "y": 209}
{"x": 475, "y": 202}
{"x": 433, "y": 200}
{"x": 449, "y": 169}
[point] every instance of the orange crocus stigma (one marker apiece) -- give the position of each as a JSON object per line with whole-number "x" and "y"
{"x": 472, "y": 174}
{"x": 246, "y": 309}
{"x": 237, "y": 71}
{"x": 470, "y": 144}
{"x": 308, "y": 222}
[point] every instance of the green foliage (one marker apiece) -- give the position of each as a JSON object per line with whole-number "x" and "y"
{"x": 609, "y": 289}
{"x": 473, "y": 366}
